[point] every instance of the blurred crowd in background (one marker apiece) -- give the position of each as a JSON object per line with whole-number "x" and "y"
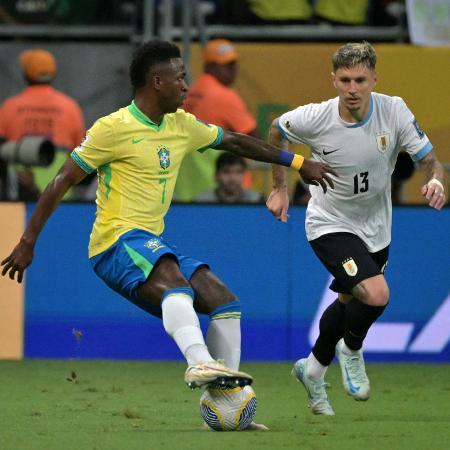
{"x": 254, "y": 12}
{"x": 215, "y": 177}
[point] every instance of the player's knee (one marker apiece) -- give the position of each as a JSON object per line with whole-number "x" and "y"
{"x": 163, "y": 286}
{"x": 165, "y": 276}
{"x": 372, "y": 291}
{"x": 222, "y": 296}
{"x": 210, "y": 291}
{"x": 216, "y": 299}
{"x": 378, "y": 295}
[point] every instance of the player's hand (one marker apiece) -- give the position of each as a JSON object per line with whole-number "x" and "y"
{"x": 18, "y": 260}
{"x": 313, "y": 172}
{"x": 433, "y": 191}
{"x": 278, "y": 203}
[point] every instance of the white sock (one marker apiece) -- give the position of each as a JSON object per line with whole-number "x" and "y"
{"x": 314, "y": 369}
{"x": 347, "y": 350}
{"x": 224, "y": 341}
{"x": 181, "y": 322}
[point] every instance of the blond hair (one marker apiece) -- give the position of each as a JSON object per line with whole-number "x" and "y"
{"x": 353, "y": 54}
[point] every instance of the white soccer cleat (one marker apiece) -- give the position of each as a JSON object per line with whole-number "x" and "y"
{"x": 354, "y": 374}
{"x": 317, "y": 396}
{"x": 256, "y": 427}
{"x": 200, "y": 374}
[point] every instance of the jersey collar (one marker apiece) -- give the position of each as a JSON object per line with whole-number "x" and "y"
{"x": 141, "y": 117}
{"x": 365, "y": 120}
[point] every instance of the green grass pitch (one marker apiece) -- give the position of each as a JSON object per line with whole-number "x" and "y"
{"x": 109, "y": 405}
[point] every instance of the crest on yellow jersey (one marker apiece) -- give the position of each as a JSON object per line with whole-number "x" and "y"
{"x": 164, "y": 157}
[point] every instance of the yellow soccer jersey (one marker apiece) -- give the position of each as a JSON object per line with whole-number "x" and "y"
{"x": 137, "y": 163}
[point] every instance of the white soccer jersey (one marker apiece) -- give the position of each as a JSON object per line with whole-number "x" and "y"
{"x": 363, "y": 154}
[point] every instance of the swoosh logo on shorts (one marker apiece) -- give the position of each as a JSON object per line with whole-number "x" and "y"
{"x": 332, "y": 151}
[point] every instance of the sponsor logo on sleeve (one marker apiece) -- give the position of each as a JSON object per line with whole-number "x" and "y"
{"x": 204, "y": 123}
{"x": 83, "y": 144}
{"x": 419, "y": 130}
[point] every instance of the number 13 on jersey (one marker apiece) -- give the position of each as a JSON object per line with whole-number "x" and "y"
{"x": 361, "y": 182}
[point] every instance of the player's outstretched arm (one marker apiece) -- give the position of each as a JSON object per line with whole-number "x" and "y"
{"x": 22, "y": 255}
{"x": 312, "y": 172}
{"x": 278, "y": 200}
{"x": 433, "y": 190}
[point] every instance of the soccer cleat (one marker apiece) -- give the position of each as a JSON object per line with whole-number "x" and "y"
{"x": 318, "y": 399}
{"x": 252, "y": 427}
{"x": 354, "y": 374}
{"x": 200, "y": 374}
{"x": 256, "y": 427}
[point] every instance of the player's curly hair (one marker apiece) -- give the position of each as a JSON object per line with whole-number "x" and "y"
{"x": 146, "y": 56}
{"x": 353, "y": 54}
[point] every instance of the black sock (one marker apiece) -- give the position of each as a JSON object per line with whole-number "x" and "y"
{"x": 359, "y": 317}
{"x": 331, "y": 330}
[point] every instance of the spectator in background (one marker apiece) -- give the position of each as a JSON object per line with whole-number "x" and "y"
{"x": 342, "y": 12}
{"x": 66, "y": 11}
{"x": 230, "y": 170}
{"x": 260, "y": 12}
{"x": 212, "y": 100}
{"x": 39, "y": 110}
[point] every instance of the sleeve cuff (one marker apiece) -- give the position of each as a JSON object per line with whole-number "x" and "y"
{"x": 219, "y": 138}
{"x": 423, "y": 152}
{"x": 215, "y": 143}
{"x": 81, "y": 163}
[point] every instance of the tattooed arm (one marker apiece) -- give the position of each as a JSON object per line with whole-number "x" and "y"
{"x": 433, "y": 190}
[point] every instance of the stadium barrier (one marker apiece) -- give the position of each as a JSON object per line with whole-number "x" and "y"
{"x": 70, "y": 313}
{"x": 12, "y": 221}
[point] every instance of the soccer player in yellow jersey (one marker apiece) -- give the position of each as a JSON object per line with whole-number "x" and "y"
{"x": 137, "y": 152}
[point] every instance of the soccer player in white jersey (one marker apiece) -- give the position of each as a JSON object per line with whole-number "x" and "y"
{"x": 359, "y": 133}
{"x": 137, "y": 152}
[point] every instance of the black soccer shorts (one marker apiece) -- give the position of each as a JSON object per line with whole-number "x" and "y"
{"x": 347, "y": 258}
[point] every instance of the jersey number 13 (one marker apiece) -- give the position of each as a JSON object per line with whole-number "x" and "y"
{"x": 361, "y": 182}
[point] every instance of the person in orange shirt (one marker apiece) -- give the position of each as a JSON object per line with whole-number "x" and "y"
{"x": 212, "y": 100}
{"x": 39, "y": 110}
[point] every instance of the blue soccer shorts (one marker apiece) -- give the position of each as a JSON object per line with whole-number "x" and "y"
{"x": 129, "y": 261}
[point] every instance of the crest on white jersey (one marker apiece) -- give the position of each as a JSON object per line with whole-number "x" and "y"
{"x": 350, "y": 267}
{"x": 383, "y": 141}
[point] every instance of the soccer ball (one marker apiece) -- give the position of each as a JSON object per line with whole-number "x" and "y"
{"x": 226, "y": 408}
